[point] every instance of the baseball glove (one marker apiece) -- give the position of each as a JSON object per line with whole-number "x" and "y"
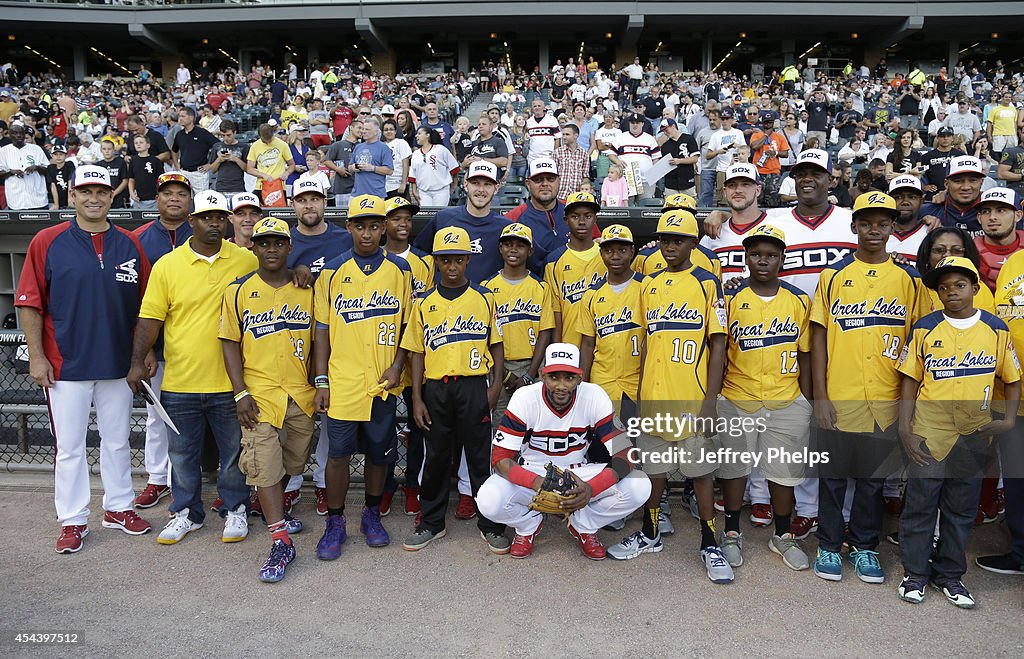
{"x": 553, "y": 490}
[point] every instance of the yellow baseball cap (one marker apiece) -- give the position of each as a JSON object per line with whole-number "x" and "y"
{"x": 766, "y": 232}
{"x": 677, "y": 223}
{"x": 581, "y": 199}
{"x": 452, "y": 240}
{"x": 271, "y": 226}
{"x": 365, "y": 205}
{"x": 680, "y": 200}
{"x": 875, "y": 201}
{"x": 951, "y": 264}
{"x": 516, "y": 230}
{"x": 617, "y": 233}
{"x": 395, "y": 203}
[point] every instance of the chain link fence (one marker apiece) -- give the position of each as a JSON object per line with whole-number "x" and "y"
{"x": 26, "y": 440}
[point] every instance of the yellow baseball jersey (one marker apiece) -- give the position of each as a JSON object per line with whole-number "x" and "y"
{"x": 764, "y": 340}
{"x": 524, "y": 309}
{"x": 867, "y": 310}
{"x": 958, "y": 370}
{"x": 984, "y": 300}
{"x": 454, "y": 336}
{"x": 185, "y": 292}
{"x": 363, "y": 302}
{"x": 570, "y": 274}
{"x": 422, "y": 266}
{"x": 649, "y": 261}
{"x": 682, "y": 311}
{"x": 615, "y": 320}
{"x": 275, "y": 329}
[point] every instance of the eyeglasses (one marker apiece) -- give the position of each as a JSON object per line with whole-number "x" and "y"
{"x": 942, "y": 250}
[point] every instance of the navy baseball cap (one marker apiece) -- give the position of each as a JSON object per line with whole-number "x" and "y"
{"x": 665, "y": 124}
{"x": 726, "y": 113}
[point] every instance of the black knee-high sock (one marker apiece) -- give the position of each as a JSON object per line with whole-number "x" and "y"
{"x": 732, "y": 521}
{"x": 707, "y": 533}
{"x": 782, "y": 524}
{"x": 650, "y": 527}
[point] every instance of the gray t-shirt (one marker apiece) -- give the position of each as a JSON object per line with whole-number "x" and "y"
{"x": 319, "y": 129}
{"x": 230, "y": 177}
{"x": 340, "y": 153}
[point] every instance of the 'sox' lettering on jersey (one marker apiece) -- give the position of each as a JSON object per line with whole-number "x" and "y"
{"x": 460, "y": 329}
{"x": 559, "y": 443}
{"x": 613, "y": 323}
{"x": 803, "y": 259}
{"x": 126, "y": 272}
{"x": 674, "y": 318}
{"x": 270, "y": 321}
{"x": 354, "y": 309}
{"x": 733, "y": 259}
{"x": 753, "y": 337}
{"x": 857, "y": 315}
{"x": 519, "y": 311}
{"x": 953, "y": 366}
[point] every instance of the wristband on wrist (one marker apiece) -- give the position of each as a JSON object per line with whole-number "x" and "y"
{"x": 604, "y": 479}
{"x": 241, "y": 394}
{"x": 321, "y": 379}
{"x": 521, "y": 477}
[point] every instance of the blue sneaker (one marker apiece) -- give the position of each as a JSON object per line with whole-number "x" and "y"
{"x": 293, "y": 525}
{"x": 329, "y": 547}
{"x": 828, "y": 565}
{"x": 281, "y": 554}
{"x": 865, "y": 563}
{"x": 370, "y": 526}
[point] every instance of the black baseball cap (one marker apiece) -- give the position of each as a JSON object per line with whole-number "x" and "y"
{"x": 944, "y": 131}
{"x": 637, "y": 118}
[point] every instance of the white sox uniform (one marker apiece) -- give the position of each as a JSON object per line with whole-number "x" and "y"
{"x": 907, "y": 243}
{"x": 532, "y": 429}
{"x": 729, "y": 247}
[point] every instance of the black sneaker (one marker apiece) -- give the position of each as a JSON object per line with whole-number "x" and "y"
{"x": 956, "y": 592}
{"x": 911, "y": 589}
{"x": 1004, "y": 564}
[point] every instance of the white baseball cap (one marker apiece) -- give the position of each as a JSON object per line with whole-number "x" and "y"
{"x": 1004, "y": 196}
{"x": 561, "y": 357}
{"x": 816, "y": 157}
{"x": 211, "y": 200}
{"x": 905, "y": 182}
{"x": 305, "y": 184}
{"x": 387, "y": 109}
{"x": 483, "y": 168}
{"x": 91, "y": 175}
{"x": 742, "y": 170}
{"x": 243, "y": 199}
{"x": 964, "y": 165}
{"x": 543, "y": 166}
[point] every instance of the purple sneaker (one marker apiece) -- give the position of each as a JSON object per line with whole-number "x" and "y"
{"x": 329, "y": 547}
{"x": 371, "y": 527}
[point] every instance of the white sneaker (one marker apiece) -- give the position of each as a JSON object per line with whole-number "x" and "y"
{"x": 665, "y": 524}
{"x": 176, "y": 529}
{"x": 719, "y": 570}
{"x": 635, "y": 545}
{"x": 236, "y": 525}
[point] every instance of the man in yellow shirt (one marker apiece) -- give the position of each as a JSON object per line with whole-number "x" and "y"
{"x": 1002, "y": 124}
{"x": 269, "y": 158}
{"x": 184, "y": 298}
{"x": 266, "y": 333}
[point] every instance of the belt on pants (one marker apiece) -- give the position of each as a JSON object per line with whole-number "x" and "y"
{"x": 522, "y": 463}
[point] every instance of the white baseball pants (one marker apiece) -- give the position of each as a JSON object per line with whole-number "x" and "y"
{"x": 158, "y": 465}
{"x": 504, "y": 502}
{"x": 322, "y": 445}
{"x": 69, "y": 404}
{"x": 434, "y": 198}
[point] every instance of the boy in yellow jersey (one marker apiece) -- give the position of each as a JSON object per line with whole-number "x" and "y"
{"x": 525, "y": 314}
{"x": 398, "y": 213}
{"x": 950, "y": 365}
{"x": 363, "y": 299}
{"x": 863, "y": 309}
{"x": 649, "y": 259}
{"x": 571, "y": 270}
{"x": 266, "y": 332}
{"x": 767, "y": 385}
{"x": 455, "y": 342}
{"x": 682, "y": 359}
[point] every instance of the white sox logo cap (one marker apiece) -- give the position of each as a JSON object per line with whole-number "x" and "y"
{"x": 543, "y": 166}
{"x": 562, "y": 357}
{"x": 964, "y": 165}
{"x": 307, "y": 184}
{"x": 243, "y": 199}
{"x": 815, "y": 157}
{"x": 483, "y": 168}
{"x": 1003, "y": 196}
{"x": 742, "y": 170}
{"x": 909, "y": 182}
{"x": 91, "y": 175}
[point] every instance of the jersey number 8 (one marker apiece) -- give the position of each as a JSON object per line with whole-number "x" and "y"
{"x": 474, "y": 359}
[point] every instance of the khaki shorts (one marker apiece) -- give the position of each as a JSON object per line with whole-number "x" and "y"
{"x": 778, "y": 436}
{"x": 269, "y": 453}
{"x": 660, "y": 457}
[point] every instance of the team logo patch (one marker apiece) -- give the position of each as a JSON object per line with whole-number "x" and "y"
{"x": 126, "y": 272}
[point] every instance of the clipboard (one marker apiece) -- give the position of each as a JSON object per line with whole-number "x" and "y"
{"x": 154, "y": 400}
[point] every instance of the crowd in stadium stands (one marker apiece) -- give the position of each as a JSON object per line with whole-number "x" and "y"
{"x": 232, "y": 130}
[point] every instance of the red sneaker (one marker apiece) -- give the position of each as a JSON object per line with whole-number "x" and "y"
{"x": 126, "y": 520}
{"x": 894, "y": 506}
{"x": 255, "y": 507}
{"x": 151, "y": 495}
{"x": 217, "y": 504}
{"x": 761, "y": 514}
{"x": 290, "y": 499}
{"x": 385, "y": 503}
{"x": 321, "y": 500}
{"x": 412, "y": 500}
{"x": 466, "y": 508}
{"x": 522, "y": 545}
{"x": 590, "y": 544}
{"x": 70, "y": 539}
{"x": 802, "y": 527}
{"x": 720, "y": 505}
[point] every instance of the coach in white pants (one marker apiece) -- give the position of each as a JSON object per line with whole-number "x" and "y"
{"x": 554, "y": 421}
{"x": 79, "y": 298}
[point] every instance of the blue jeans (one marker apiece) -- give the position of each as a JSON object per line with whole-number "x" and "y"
{"x": 191, "y": 413}
{"x": 707, "y": 188}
